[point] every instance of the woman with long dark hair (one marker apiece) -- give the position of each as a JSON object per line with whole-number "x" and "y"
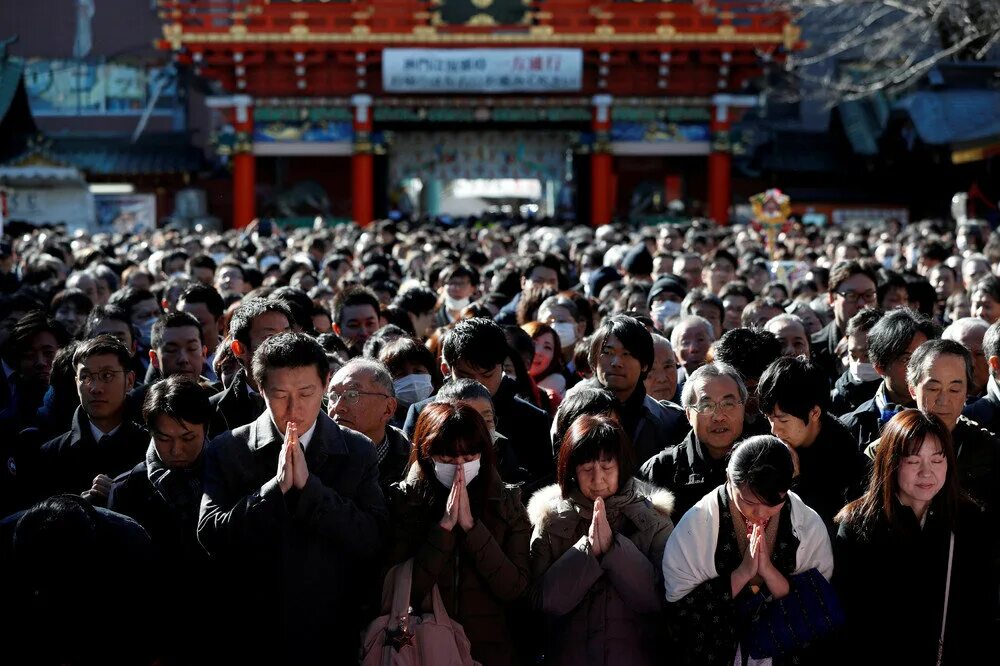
{"x": 466, "y": 531}
{"x": 913, "y": 535}
{"x": 596, "y": 549}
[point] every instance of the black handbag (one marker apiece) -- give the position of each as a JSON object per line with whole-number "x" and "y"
{"x": 778, "y": 627}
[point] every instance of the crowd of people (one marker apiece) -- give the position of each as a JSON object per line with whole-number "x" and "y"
{"x": 584, "y": 446}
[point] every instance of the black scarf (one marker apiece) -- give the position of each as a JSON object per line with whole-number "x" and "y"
{"x": 179, "y": 488}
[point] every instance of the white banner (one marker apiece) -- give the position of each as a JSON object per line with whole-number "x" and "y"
{"x": 482, "y": 70}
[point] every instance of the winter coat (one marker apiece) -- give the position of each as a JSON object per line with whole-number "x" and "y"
{"x": 848, "y": 393}
{"x": 69, "y": 462}
{"x": 891, "y": 580}
{"x": 687, "y": 471}
{"x": 604, "y": 610}
{"x": 480, "y": 573}
{"x": 823, "y": 344}
{"x": 292, "y": 562}
{"x": 832, "y": 471}
{"x": 235, "y": 406}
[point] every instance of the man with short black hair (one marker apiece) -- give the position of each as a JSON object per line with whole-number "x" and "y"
{"x": 621, "y": 355}
{"x": 891, "y": 342}
{"x": 829, "y": 470}
{"x": 292, "y": 512}
{"x": 206, "y": 305}
{"x": 853, "y": 286}
{"x": 540, "y": 270}
{"x": 102, "y": 442}
{"x": 355, "y": 317}
{"x": 860, "y": 380}
{"x": 749, "y": 351}
{"x": 476, "y": 349}
{"x": 163, "y": 494}
{"x": 253, "y": 322}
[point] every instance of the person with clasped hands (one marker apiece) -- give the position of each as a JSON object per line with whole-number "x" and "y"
{"x": 293, "y": 515}
{"x": 466, "y": 531}
{"x": 596, "y": 548}
{"x": 749, "y": 537}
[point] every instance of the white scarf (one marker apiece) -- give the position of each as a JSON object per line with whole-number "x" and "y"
{"x": 689, "y": 557}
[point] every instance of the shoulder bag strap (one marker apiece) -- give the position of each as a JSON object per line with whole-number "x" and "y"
{"x": 402, "y": 580}
{"x": 947, "y": 592}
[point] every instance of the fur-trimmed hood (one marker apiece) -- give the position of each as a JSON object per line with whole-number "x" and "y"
{"x": 634, "y": 500}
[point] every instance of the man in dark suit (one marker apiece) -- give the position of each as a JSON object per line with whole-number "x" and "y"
{"x": 852, "y": 287}
{"x": 102, "y": 442}
{"x": 254, "y": 321}
{"x": 476, "y": 349}
{"x": 177, "y": 349}
{"x": 362, "y": 398}
{"x": 891, "y": 342}
{"x": 292, "y": 512}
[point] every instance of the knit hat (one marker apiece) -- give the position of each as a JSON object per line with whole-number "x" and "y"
{"x": 666, "y": 283}
{"x": 638, "y": 261}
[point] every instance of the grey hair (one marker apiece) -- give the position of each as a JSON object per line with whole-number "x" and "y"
{"x": 920, "y": 363}
{"x": 782, "y": 319}
{"x": 960, "y": 327}
{"x": 661, "y": 340}
{"x": 379, "y": 373}
{"x": 675, "y": 335}
{"x": 706, "y": 372}
{"x": 463, "y": 389}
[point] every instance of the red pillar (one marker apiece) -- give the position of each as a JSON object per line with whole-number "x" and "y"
{"x": 720, "y": 186}
{"x": 601, "y": 208}
{"x": 362, "y": 162}
{"x": 244, "y": 166}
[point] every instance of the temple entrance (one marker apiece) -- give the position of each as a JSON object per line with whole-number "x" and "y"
{"x": 468, "y": 173}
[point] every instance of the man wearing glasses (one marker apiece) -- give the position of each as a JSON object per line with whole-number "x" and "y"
{"x": 362, "y": 398}
{"x": 102, "y": 443}
{"x": 852, "y": 287}
{"x": 713, "y": 398}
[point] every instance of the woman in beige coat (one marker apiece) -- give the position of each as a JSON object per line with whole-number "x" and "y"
{"x": 596, "y": 549}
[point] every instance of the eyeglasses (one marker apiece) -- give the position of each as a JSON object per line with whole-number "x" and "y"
{"x": 106, "y": 377}
{"x": 350, "y": 396}
{"x": 858, "y": 296}
{"x": 708, "y": 407}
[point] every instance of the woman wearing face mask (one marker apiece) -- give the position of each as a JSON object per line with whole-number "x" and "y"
{"x": 911, "y": 536}
{"x": 563, "y": 315}
{"x": 748, "y": 537}
{"x": 414, "y": 374}
{"x": 547, "y": 367}
{"x": 596, "y": 549}
{"x": 465, "y": 530}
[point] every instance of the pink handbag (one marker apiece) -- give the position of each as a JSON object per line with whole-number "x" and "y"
{"x": 402, "y": 638}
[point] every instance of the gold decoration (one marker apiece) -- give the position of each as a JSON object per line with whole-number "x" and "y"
{"x": 771, "y": 210}
{"x": 482, "y": 4}
{"x": 481, "y": 19}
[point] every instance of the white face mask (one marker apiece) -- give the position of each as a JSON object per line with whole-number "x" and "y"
{"x": 454, "y": 304}
{"x": 445, "y": 472}
{"x": 413, "y": 388}
{"x": 566, "y": 332}
{"x": 665, "y": 310}
{"x": 863, "y": 372}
